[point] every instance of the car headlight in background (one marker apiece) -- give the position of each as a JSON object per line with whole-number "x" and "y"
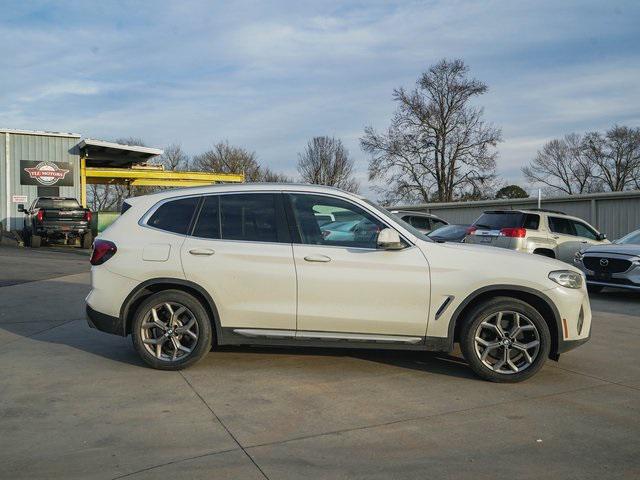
{"x": 566, "y": 278}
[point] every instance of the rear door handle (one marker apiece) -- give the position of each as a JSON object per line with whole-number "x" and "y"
{"x": 317, "y": 258}
{"x": 202, "y": 251}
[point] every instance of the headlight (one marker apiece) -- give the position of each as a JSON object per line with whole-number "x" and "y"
{"x": 566, "y": 278}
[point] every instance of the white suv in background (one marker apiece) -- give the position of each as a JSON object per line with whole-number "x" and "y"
{"x": 542, "y": 232}
{"x": 183, "y": 271}
{"x": 423, "y": 222}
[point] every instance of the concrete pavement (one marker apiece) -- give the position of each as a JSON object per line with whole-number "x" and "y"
{"x": 76, "y": 403}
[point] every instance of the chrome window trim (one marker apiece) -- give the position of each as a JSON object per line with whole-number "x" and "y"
{"x": 145, "y": 218}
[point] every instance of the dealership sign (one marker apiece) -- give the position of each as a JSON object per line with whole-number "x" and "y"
{"x": 46, "y": 173}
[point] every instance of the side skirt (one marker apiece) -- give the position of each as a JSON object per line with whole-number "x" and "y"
{"x": 288, "y": 338}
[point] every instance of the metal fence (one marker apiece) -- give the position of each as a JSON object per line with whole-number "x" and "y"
{"x": 613, "y": 213}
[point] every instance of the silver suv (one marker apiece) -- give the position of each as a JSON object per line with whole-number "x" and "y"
{"x": 542, "y": 232}
{"x": 423, "y": 222}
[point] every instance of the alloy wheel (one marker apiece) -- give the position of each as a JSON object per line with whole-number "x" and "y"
{"x": 169, "y": 331}
{"x": 507, "y": 342}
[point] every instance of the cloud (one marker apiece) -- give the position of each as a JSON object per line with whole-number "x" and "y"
{"x": 269, "y": 75}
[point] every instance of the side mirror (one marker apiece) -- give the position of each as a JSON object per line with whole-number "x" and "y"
{"x": 601, "y": 236}
{"x": 21, "y": 207}
{"x": 389, "y": 239}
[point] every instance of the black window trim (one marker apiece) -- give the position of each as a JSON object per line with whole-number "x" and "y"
{"x": 295, "y": 234}
{"x": 282, "y": 230}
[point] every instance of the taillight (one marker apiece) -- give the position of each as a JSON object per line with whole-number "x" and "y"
{"x": 471, "y": 230}
{"x": 103, "y": 250}
{"x": 517, "y": 232}
{"x": 87, "y": 216}
{"x": 40, "y": 215}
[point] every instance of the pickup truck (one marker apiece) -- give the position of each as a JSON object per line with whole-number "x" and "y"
{"x": 55, "y": 218}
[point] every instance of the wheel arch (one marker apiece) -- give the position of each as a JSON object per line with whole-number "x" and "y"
{"x": 536, "y": 299}
{"x": 155, "y": 285}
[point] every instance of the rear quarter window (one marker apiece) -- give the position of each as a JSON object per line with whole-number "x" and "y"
{"x": 174, "y": 216}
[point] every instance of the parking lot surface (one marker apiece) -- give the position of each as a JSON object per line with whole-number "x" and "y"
{"x": 78, "y": 403}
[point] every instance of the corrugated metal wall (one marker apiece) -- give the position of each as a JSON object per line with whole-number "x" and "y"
{"x": 614, "y": 213}
{"x": 37, "y": 148}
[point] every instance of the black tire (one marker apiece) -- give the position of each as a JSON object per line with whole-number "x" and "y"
{"x": 205, "y": 334}
{"x": 35, "y": 241}
{"x": 594, "y": 288}
{"x": 86, "y": 241}
{"x": 484, "y": 311}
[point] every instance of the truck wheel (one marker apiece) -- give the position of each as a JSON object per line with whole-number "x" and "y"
{"x": 171, "y": 330}
{"x": 87, "y": 240}
{"x": 505, "y": 340}
{"x": 35, "y": 241}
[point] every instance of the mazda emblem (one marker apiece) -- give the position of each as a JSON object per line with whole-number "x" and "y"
{"x": 604, "y": 262}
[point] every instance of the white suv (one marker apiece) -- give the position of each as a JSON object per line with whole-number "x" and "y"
{"x": 183, "y": 271}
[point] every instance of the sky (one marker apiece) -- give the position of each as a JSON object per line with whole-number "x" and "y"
{"x": 270, "y": 75}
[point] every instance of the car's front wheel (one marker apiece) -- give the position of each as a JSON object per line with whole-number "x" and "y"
{"x": 505, "y": 340}
{"x": 171, "y": 330}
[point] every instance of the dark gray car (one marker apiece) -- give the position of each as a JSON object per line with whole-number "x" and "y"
{"x": 614, "y": 265}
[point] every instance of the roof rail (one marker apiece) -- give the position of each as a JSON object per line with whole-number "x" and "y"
{"x": 546, "y": 210}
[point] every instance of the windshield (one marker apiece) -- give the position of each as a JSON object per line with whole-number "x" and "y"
{"x": 632, "y": 238}
{"x": 408, "y": 227}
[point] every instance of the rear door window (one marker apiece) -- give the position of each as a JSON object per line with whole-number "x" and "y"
{"x": 175, "y": 215}
{"x": 563, "y": 226}
{"x": 251, "y": 217}
{"x": 208, "y": 223}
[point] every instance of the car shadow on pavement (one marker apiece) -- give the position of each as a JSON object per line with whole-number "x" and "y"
{"x": 439, "y": 363}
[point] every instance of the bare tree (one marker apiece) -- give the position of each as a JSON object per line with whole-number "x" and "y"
{"x": 174, "y": 158}
{"x": 563, "y": 164}
{"x": 616, "y": 156}
{"x": 325, "y": 161}
{"x": 225, "y": 158}
{"x": 437, "y": 147}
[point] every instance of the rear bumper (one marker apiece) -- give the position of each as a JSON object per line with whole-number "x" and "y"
{"x": 104, "y": 323}
{"x": 61, "y": 228}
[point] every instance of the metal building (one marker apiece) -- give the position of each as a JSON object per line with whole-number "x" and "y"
{"x": 51, "y": 164}
{"x": 613, "y": 213}
{"x": 36, "y": 164}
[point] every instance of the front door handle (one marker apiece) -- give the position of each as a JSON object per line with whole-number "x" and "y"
{"x": 202, "y": 251}
{"x": 317, "y": 258}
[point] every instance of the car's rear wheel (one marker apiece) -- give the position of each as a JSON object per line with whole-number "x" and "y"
{"x": 505, "y": 340}
{"x": 171, "y": 330}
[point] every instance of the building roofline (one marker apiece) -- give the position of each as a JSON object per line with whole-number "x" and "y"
{"x": 90, "y": 142}
{"x": 507, "y": 202}
{"x": 43, "y": 133}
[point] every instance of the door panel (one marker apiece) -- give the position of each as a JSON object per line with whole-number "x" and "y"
{"x": 362, "y": 291}
{"x": 241, "y": 253}
{"x": 252, "y": 284}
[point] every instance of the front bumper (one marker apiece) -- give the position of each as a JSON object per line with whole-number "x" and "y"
{"x": 104, "y": 323}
